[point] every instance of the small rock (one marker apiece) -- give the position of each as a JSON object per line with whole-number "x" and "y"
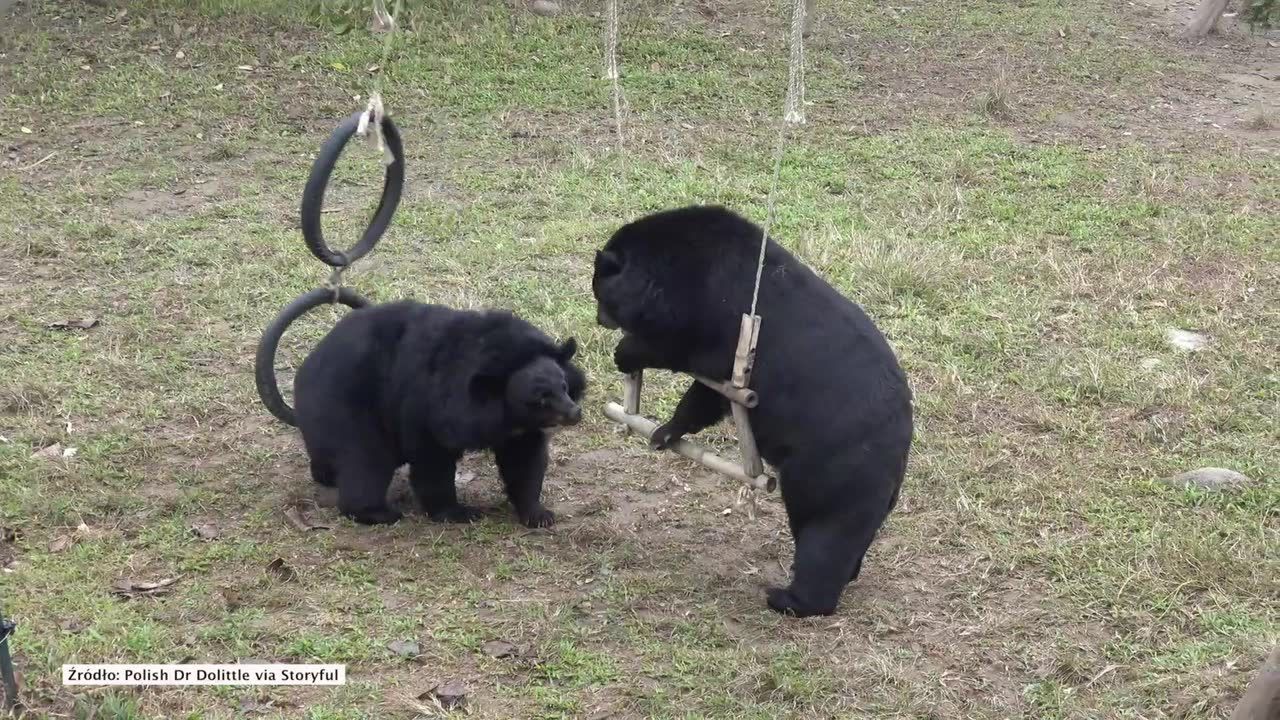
{"x": 52, "y": 452}
{"x": 451, "y": 694}
{"x": 545, "y": 8}
{"x": 1209, "y": 478}
{"x": 205, "y": 531}
{"x": 1186, "y": 340}
{"x": 498, "y": 649}
{"x": 405, "y": 648}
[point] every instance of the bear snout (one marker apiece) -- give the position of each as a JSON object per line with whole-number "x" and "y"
{"x": 603, "y": 319}
{"x": 573, "y": 416}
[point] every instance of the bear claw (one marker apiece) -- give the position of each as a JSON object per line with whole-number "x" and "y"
{"x": 538, "y": 518}
{"x": 456, "y": 514}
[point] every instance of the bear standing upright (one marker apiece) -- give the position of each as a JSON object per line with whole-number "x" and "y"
{"x": 407, "y": 382}
{"x": 835, "y": 414}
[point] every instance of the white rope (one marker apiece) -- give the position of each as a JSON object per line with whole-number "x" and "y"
{"x": 793, "y": 114}
{"x": 611, "y": 64}
{"x": 374, "y": 111}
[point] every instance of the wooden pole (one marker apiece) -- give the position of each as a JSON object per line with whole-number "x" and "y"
{"x": 645, "y": 428}
{"x": 736, "y": 395}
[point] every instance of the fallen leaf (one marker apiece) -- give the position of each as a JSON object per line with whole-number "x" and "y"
{"x": 83, "y": 324}
{"x": 302, "y": 522}
{"x": 405, "y": 648}
{"x": 499, "y": 649}
{"x": 205, "y": 532}
{"x": 451, "y": 694}
{"x": 254, "y": 705}
{"x": 279, "y": 569}
{"x": 392, "y": 600}
{"x": 129, "y": 588}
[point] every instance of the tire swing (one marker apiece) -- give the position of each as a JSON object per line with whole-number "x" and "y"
{"x": 737, "y": 390}
{"x": 374, "y": 125}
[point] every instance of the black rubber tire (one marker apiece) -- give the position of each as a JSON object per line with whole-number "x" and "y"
{"x": 313, "y": 193}
{"x": 264, "y": 365}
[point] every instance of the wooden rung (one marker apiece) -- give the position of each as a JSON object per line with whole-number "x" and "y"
{"x": 645, "y": 428}
{"x": 745, "y": 397}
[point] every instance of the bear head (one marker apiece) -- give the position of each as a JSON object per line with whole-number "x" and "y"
{"x": 545, "y": 392}
{"x": 656, "y": 275}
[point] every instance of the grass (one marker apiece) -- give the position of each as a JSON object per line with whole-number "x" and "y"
{"x": 1025, "y": 268}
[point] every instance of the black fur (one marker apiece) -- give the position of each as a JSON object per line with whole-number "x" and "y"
{"x": 835, "y": 412}
{"x": 407, "y": 382}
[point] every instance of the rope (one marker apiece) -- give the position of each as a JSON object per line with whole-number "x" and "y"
{"x": 793, "y": 114}
{"x": 611, "y": 65}
{"x": 374, "y": 112}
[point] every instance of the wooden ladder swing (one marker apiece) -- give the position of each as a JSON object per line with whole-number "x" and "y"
{"x": 737, "y": 391}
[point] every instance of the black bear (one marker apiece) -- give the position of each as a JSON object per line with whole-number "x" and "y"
{"x": 408, "y": 382}
{"x": 835, "y": 414}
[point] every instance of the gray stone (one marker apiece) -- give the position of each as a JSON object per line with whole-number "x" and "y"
{"x": 545, "y": 8}
{"x": 1209, "y": 478}
{"x": 1186, "y": 340}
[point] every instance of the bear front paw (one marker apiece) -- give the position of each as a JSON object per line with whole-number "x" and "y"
{"x": 664, "y": 436}
{"x": 539, "y": 517}
{"x": 625, "y": 360}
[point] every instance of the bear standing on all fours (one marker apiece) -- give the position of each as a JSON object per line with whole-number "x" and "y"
{"x": 835, "y": 412}
{"x": 407, "y": 382}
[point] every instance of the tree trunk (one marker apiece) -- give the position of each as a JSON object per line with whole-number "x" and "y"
{"x": 1206, "y": 18}
{"x": 1261, "y": 699}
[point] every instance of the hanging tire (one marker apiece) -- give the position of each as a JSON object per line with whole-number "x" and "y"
{"x": 318, "y": 181}
{"x": 264, "y": 366}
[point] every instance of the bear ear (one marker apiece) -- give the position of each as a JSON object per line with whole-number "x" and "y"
{"x": 568, "y": 349}
{"x": 608, "y": 262}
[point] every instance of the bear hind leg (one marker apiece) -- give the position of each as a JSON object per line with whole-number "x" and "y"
{"x": 829, "y": 553}
{"x": 432, "y": 476}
